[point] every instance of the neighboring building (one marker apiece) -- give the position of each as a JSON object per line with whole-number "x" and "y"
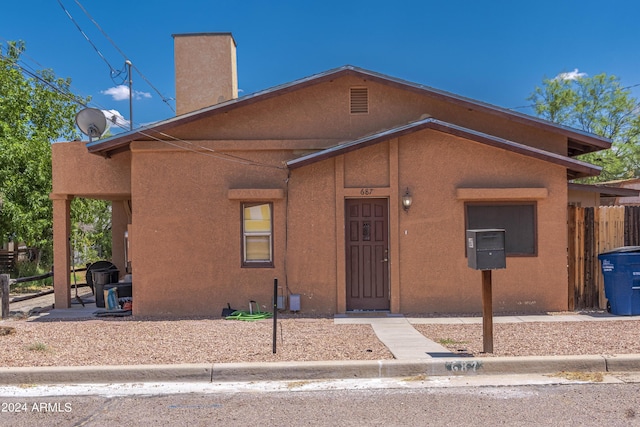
{"x": 304, "y": 183}
{"x": 601, "y": 194}
{"x": 627, "y": 192}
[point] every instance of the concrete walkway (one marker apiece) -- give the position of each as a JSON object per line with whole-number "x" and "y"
{"x": 405, "y": 342}
{"x": 42, "y": 307}
{"x": 397, "y": 334}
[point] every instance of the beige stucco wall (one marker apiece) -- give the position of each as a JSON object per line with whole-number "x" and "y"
{"x": 76, "y": 173}
{"x": 322, "y": 112}
{"x": 201, "y": 227}
{"x": 120, "y": 218}
{"x": 206, "y": 70}
{"x": 185, "y": 233}
{"x": 81, "y": 174}
{"x": 584, "y": 199}
{"x": 186, "y": 217}
{"x": 434, "y": 272}
{"x": 432, "y": 268}
{"x": 631, "y": 200}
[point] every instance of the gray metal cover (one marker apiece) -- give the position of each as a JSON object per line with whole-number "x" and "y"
{"x": 486, "y": 249}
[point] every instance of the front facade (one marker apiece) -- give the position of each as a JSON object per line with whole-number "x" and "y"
{"x": 304, "y": 183}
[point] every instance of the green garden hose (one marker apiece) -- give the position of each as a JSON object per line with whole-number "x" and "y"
{"x": 251, "y": 315}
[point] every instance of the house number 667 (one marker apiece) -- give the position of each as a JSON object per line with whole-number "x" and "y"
{"x": 366, "y": 191}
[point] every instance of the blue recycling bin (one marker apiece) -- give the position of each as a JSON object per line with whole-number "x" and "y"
{"x": 621, "y": 271}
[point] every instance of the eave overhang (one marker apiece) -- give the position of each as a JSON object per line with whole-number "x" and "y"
{"x": 575, "y": 168}
{"x": 604, "y": 190}
{"x": 578, "y": 142}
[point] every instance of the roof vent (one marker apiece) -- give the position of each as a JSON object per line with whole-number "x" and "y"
{"x": 359, "y": 100}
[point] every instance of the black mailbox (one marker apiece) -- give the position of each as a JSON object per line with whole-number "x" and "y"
{"x": 485, "y": 249}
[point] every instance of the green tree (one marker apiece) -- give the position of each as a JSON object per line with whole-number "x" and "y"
{"x": 599, "y": 105}
{"x": 91, "y": 230}
{"x": 36, "y": 109}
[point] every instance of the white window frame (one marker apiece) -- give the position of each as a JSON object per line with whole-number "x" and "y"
{"x": 262, "y": 263}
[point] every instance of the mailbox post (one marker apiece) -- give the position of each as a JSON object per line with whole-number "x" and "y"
{"x": 486, "y": 252}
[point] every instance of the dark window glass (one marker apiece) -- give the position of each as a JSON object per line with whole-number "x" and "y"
{"x": 518, "y": 221}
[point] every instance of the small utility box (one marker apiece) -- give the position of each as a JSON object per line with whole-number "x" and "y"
{"x": 485, "y": 249}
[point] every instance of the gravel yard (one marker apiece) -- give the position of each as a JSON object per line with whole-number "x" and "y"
{"x": 541, "y": 338}
{"x": 131, "y": 341}
{"x": 127, "y": 341}
{"x": 136, "y": 341}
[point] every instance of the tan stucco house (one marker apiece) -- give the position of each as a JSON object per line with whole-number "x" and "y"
{"x": 304, "y": 182}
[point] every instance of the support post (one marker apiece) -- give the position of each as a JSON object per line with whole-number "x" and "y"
{"x": 275, "y": 313}
{"x": 61, "y": 249}
{"x": 4, "y": 293}
{"x": 487, "y": 313}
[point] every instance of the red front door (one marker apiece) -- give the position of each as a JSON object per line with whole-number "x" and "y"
{"x": 367, "y": 251}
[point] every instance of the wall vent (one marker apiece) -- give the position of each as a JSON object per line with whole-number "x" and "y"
{"x": 359, "y": 100}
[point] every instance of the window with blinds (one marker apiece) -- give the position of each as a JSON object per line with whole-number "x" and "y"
{"x": 257, "y": 235}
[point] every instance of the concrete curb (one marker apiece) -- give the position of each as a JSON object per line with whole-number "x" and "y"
{"x": 301, "y": 371}
{"x": 106, "y": 374}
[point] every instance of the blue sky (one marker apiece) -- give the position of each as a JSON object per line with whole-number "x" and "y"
{"x": 492, "y": 51}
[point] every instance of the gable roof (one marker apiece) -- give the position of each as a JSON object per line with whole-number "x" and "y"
{"x": 575, "y": 168}
{"x": 579, "y": 142}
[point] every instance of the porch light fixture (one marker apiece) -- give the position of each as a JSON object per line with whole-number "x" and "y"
{"x": 406, "y": 200}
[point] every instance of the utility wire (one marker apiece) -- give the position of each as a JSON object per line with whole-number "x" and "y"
{"x": 177, "y": 142}
{"x": 196, "y": 148}
{"x": 33, "y": 74}
{"x": 114, "y": 72}
{"x": 164, "y": 98}
{"x": 28, "y": 71}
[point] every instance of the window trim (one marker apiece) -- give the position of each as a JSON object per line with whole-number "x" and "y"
{"x": 506, "y": 203}
{"x": 243, "y": 256}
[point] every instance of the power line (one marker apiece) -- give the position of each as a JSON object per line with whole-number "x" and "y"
{"x": 67, "y": 92}
{"x": 164, "y": 98}
{"x": 188, "y": 146}
{"x": 34, "y": 74}
{"x": 210, "y": 152}
{"x": 113, "y": 71}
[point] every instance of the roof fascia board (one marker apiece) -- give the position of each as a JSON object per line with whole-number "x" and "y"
{"x": 604, "y": 190}
{"x": 156, "y": 130}
{"x": 580, "y": 167}
{"x": 148, "y": 132}
{"x": 571, "y": 133}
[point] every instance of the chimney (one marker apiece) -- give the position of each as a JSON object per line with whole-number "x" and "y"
{"x": 206, "y": 70}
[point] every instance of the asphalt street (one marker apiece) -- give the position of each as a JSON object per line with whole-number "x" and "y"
{"x": 402, "y": 402}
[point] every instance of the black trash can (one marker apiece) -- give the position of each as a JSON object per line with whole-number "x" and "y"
{"x": 621, "y": 271}
{"x": 102, "y": 277}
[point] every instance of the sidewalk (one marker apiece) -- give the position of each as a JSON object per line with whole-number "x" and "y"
{"x": 415, "y": 356}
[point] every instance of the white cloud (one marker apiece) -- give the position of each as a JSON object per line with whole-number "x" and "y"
{"x": 114, "y": 118}
{"x": 571, "y": 75}
{"x": 118, "y": 93}
{"x": 139, "y": 94}
{"x": 121, "y": 93}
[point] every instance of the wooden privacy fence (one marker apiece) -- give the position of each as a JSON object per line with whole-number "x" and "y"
{"x": 593, "y": 231}
{"x": 8, "y": 259}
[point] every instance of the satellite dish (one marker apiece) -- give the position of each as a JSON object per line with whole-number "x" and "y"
{"x": 91, "y": 122}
